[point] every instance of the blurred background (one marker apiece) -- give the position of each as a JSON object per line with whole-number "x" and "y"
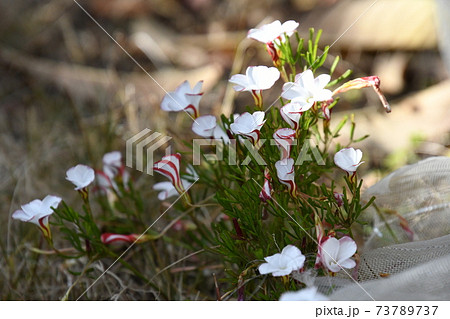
{"x": 70, "y": 93}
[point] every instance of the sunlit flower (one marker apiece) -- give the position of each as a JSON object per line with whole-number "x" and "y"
{"x": 183, "y": 98}
{"x": 205, "y": 125}
{"x": 81, "y": 176}
{"x": 286, "y": 174}
{"x": 348, "y": 159}
{"x": 266, "y": 192}
{"x": 306, "y": 90}
{"x": 282, "y": 264}
{"x": 109, "y": 238}
{"x": 291, "y": 113}
{"x": 272, "y": 35}
{"x": 169, "y": 166}
{"x": 248, "y": 125}
{"x": 256, "y": 79}
{"x": 307, "y": 294}
{"x": 284, "y": 137}
{"x": 335, "y": 254}
{"x": 359, "y": 83}
{"x": 38, "y": 212}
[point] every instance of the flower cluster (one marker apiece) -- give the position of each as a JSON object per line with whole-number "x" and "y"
{"x": 265, "y": 195}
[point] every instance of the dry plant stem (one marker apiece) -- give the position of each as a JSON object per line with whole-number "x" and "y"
{"x": 55, "y": 251}
{"x": 85, "y": 269}
{"x": 180, "y": 260}
{"x": 167, "y": 277}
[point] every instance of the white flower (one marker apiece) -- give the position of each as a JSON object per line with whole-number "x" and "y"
{"x": 286, "y": 174}
{"x": 282, "y": 264}
{"x": 81, "y": 176}
{"x": 112, "y": 162}
{"x": 256, "y": 78}
{"x": 168, "y": 190}
{"x": 112, "y": 167}
{"x": 284, "y": 137}
{"x": 248, "y": 125}
{"x": 306, "y": 90}
{"x": 183, "y": 98}
{"x": 169, "y": 166}
{"x": 38, "y": 212}
{"x": 112, "y": 159}
{"x": 204, "y": 125}
{"x": 348, "y": 159}
{"x": 220, "y": 134}
{"x": 334, "y": 254}
{"x": 291, "y": 113}
{"x": 307, "y": 294}
{"x": 273, "y": 31}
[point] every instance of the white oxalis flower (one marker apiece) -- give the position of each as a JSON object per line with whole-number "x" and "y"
{"x": 81, "y": 176}
{"x": 334, "y": 254}
{"x": 38, "y": 212}
{"x": 306, "y": 90}
{"x": 286, "y": 174}
{"x": 284, "y": 138}
{"x": 204, "y": 125}
{"x": 273, "y": 31}
{"x": 282, "y": 264}
{"x": 183, "y": 98}
{"x": 291, "y": 113}
{"x": 256, "y": 78}
{"x": 248, "y": 125}
{"x": 307, "y": 294}
{"x": 348, "y": 159}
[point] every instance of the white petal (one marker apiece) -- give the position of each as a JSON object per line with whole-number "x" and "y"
{"x": 258, "y": 118}
{"x": 21, "y": 215}
{"x": 163, "y": 186}
{"x": 204, "y": 125}
{"x": 289, "y": 90}
{"x": 197, "y": 89}
{"x": 285, "y": 169}
{"x": 266, "y": 33}
{"x": 220, "y": 134}
{"x": 266, "y": 268}
{"x": 347, "y": 248}
{"x": 329, "y": 252}
{"x": 348, "y": 263}
{"x": 51, "y": 201}
{"x": 305, "y": 79}
{"x": 113, "y": 159}
{"x": 289, "y": 27}
{"x": 322, "y": 80}
{"x": 263, "y": 77}
{"x": 281, "y": 272}
{"x": 291, "y": 251}
{"x": 241, "y": 82}
{"x": 323, "y": 95}
{"x": 81, "y": 176}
